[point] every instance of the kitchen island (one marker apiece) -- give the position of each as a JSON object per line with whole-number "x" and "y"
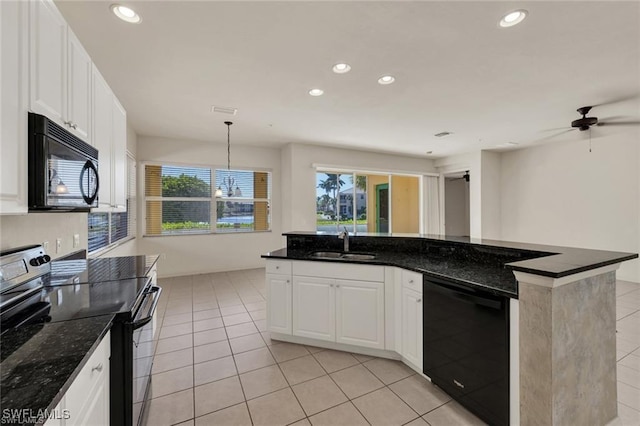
{"x": 562, "y": 316}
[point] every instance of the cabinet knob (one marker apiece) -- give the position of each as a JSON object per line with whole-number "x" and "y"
{"x": 330, "y": 285}
{"x": 288, "y": 281}
{"x": 418, "y": 300}
{"x": 277, "y": 267}
{"x": 97, "y": 368}
{"x": 410, "y": 281}
{"x": 338, "y": 285}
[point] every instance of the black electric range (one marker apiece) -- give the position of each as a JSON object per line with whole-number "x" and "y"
{"x": 35, "y": 290}
{"x": 65, "y": 272}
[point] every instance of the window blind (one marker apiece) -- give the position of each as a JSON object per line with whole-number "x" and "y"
{"x": 178, "y": 199}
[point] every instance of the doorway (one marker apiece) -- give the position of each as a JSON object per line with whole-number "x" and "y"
{"x": 382, "y": 207}
{"x": 456, "y": 204}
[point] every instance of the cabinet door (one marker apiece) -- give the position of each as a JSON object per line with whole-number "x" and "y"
{"x": 412, "y": 326}
{"x": 360, "y": 313}
{"x": 48, "y": 52}
{"x": 119, "y": 156}
{"x": 96, "y": 409}
{"x": 79, "y": 85}
{"x": 13, "y": 106}
{"x": 279, "y": 303}
{"x": 102, "y": 132}
{"x": 314, "y": 308}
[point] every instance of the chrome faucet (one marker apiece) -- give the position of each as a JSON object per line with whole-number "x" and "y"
{"x": 344, "y": 235}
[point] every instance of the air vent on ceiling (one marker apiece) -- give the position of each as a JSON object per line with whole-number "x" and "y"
{"x": 224, "y": 110}
{"x": 442, "y": 134}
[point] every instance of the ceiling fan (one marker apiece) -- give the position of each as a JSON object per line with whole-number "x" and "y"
{"x": 585, "y": 122}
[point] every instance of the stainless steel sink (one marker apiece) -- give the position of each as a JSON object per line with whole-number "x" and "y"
{"x": 327, "y": 254}
{"x": 345, "y": 256}
{"x": 356, "y": 256}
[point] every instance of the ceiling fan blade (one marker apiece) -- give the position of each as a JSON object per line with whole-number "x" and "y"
{"x": 619, "y": 123}
{"x": 554, "y": 135}
{"x": 618, "y": 99}
{"x": 556, "y": 128}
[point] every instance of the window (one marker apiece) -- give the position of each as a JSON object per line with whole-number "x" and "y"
{"x": 182, "y": 200}
{"x": 367, "y": 202}
{"x": 110, "y": 227}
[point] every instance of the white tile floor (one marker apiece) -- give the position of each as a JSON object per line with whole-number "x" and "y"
{"x": 215, "y": 365}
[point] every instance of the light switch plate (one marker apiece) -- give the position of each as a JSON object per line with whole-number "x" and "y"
{"x": 76, "y": 240}
{"x": 58, "y": 245}
{"x": 45, "y": 246}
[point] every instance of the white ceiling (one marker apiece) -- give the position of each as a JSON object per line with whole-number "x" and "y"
{"x": 455, "y": 70}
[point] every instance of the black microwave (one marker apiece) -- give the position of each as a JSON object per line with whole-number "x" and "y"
{"x": 63, "y": 169}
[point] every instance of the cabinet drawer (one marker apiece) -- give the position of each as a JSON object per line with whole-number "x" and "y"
{"x": 340, "y": 271}
{"x": 412, "y": 280}
{"x": 95, "y": 372}
{"x": 278, "y": 267}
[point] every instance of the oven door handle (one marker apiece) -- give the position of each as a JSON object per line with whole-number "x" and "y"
{"x": 154, "y": 292}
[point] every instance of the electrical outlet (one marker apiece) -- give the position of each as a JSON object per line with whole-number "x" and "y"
{"x": 76, "y": 240}
{"x": 58, "y": 245}
{"x": 45, "y": 246}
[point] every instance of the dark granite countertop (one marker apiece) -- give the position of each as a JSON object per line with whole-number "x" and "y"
{"x": 39, "y": 362}
{"x": 485, "y": 263}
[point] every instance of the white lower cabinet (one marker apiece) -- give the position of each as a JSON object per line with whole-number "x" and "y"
{"x": 360, "y": 313}
{"x": 314, "y": 308}
{"x": 86, "y": 402}
{"x": 412, "y": 326}
{"x": 342, "y": 311}
{"x": 279, "y": 303}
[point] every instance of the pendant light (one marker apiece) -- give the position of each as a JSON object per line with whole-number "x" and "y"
{"x": 228, "y": 181}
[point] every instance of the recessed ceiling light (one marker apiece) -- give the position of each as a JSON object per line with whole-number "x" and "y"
{"x": 513, "y": 18}
{"x": 386, "y": 79}
{"x": 341, "y": 68}
{"x": 126, "y": 13}
{"x": 316, "y": 92}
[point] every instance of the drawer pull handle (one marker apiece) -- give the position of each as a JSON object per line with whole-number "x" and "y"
{"x": 97, "y": 368}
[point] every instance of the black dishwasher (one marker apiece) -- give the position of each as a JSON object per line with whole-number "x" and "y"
{"x": 466, "y": 346}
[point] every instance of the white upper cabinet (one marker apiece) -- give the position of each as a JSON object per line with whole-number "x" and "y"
{"x": 13, "y": 106}
{"x": 60, "y": 71}
{"x": 102, "y": 128}
{"x": 48, "y": 68}
{"x": 110, "y": 138}
{"x": 119, "y": 155}
{"x": 79, "y": 88}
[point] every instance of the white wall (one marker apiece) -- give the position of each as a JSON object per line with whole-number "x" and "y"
{"x": 300, "y": 175}
{"x": 193, "y": 254}
{"x": 36, "y": 228}
{"x": 456, "y": 200}
{"x": 562, "y": 194}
